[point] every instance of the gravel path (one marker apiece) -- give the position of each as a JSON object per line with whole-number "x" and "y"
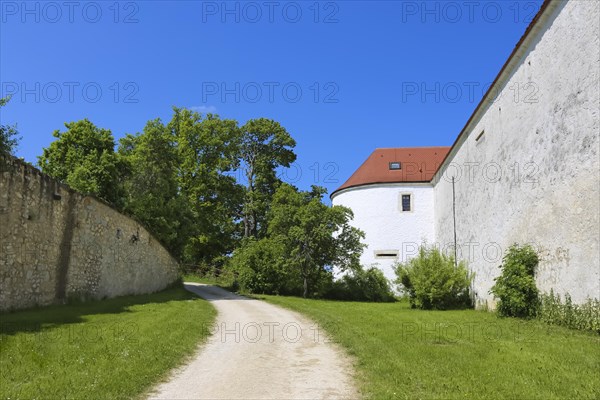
{"x": 260, "y": 351}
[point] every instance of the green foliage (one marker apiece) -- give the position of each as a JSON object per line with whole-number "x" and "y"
{"x": 361, "y": 285}
{"x": 260, "y": 267}
{"x": 84, "y": 158}
{"x": 178, "y": 184}
{"x": 8, "y": 134}
{"x": 207, "y": 154}
{"x": 515, "y": 287}
{"x": 585, "y": 317}
{"x": 178, "y": 178}
{"x": 225, "y": 278}
{"x": 151, "y": 189}
{"x": 432, "y": 280}
{"x": 315, "y": 235}
{"x": 263, "y": 145}
{"x": 304, "y": 238}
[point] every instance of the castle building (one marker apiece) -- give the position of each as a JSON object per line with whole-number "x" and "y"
{"x": 524, "y": 169}
{"x": 391, "y": 195}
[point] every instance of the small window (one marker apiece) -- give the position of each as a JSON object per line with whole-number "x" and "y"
{"x": 395, "y": 165}
{"x": 479, "y": 136}
{"x": 406, "y": 202}
{"x": 389, "y": 254}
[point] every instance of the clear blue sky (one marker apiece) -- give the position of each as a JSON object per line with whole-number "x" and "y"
{"x": 371, "y": 74}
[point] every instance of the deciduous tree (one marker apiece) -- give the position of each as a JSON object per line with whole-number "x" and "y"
{"x": 264, "y": 145}
{"x": 8, "y": 133}
{"x": 316, "y": 236}
{"x": 206, "y": 150}
{"x": 84, "y": 158}
{"x": 151, "y": 189}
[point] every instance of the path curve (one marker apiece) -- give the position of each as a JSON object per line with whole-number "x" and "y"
{"x": 257, "y": 351}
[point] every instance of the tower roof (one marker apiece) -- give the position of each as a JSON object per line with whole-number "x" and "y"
{"x": 395, "y": 165}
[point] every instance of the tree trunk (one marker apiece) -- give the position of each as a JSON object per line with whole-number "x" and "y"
{"x": 246, "y": 227}
{"x": 248, "y": 223}
{"x": 305, "y": 287}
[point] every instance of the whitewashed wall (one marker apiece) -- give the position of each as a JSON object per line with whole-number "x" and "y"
{"x": 377, "y": 211}
{"x": 534, "y": 174}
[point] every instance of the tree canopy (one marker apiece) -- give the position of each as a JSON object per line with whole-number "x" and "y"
{"x": 8, "y": 133}
{"x": 208, "y": 190}
{"x": 264, "y": 145}
{"x": 84, "y": 158}
{"x": 316, "y": 236}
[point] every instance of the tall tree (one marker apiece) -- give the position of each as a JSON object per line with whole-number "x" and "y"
{"x": 8, "y": 133}
{"x": 151, "y": 189}
{"x": 264, "y": 145}
{"x": 316, "y": 235}
{"x": 84, "y": 158}
{"x": 206, "y": 149}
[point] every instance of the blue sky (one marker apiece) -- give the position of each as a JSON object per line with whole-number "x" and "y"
{"x": 343, "y": 77}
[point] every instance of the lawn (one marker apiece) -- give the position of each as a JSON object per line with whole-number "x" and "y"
{"x": 405, "y": 353}
{"x": 116, "y": 348}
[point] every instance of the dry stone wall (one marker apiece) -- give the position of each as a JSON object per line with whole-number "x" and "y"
{"x": 57, "y": 244}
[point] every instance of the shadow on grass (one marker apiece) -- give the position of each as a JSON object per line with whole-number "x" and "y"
{"x": 46, "y": 318}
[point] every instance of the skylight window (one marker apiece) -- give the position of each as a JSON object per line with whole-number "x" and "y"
{"x": 395, "y": 165}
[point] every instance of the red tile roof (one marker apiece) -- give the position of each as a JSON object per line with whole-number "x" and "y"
{"x": 418, "y": 164}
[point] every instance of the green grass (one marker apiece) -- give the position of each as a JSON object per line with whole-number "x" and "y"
{"x": 115, "y": 348}
{"x": 405, "y": 353}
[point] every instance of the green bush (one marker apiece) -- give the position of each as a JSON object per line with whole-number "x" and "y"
{"x": 260, "y": 267}
{"x": 432, "y": 281}
{"x": 361, "y": 285}
{"x": 515, "y": 287}
{"x": 585, "y": 317}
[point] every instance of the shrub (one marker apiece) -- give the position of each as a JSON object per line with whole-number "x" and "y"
{"x": 584, "y": 316}
{"x": 515, "y": 287}
{"x": 432, "y": 280}
{"x": 361, "y": 285}
{"x": 260, "y": 268}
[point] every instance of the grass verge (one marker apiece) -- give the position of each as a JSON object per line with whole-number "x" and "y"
{"x": 404, "y": 353}
{"x": 225, "y": 282}
{"x": 116, "y": 348}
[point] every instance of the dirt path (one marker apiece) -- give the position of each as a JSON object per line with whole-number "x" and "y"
{"x": 260, "y": 351}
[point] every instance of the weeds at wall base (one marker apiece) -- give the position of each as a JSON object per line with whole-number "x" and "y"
{"x": 584, "y": 317}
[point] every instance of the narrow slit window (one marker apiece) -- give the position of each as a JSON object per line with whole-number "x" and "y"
{"x": 386, "y": 254}
{"x": 406, "y": 202}
{"x": 395, "y": 165}
{"x": 479, "y": 136}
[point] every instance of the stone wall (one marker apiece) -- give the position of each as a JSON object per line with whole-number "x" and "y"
{"x": 526, "y": 166}
{"x": 57, "y": 244}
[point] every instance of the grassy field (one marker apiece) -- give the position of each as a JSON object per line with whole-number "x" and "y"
{"x": 115, "y": 348}
{"x": 404, "y": 353}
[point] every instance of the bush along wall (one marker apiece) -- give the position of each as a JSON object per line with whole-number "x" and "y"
{"x": 515, "y": 287}
{"x": 434, "y": 281}
{"x": 519, "y": 296}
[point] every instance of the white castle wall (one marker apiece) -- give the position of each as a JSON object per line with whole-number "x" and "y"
{"x": 377, "y": 211}
{"x": 534, "y": 174}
